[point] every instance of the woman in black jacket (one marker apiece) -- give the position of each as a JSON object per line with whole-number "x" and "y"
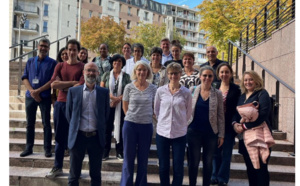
{"x": 252, "y": 90}
{"x": 231, "y": 93}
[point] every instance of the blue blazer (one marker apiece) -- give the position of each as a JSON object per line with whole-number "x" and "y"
{"x": 73, "y": 112}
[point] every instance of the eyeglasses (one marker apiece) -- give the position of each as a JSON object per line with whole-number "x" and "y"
{"x": 209, "y": 76}
{"x": 173, "y": 73}
{"x": 45, "y": 46}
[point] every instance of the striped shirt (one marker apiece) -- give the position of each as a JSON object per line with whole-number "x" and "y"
{"x": 140, "y": 107}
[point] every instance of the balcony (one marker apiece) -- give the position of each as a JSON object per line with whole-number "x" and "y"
{"x": 30, "y": 10}
{"x": 111, "y": 9}
{"x": 31, "y": 28}
{"x": 194, "y": 49}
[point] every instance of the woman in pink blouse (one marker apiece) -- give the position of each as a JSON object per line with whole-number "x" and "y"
{"x": 173, "y": 109}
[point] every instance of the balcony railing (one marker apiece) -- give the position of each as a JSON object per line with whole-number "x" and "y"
{"x": 29, "y": 27}
{"x": 146, "y": 19}
{"x": 27, "y": 8}
{"x": 111, "y": 9}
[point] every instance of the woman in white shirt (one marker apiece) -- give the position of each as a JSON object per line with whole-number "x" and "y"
{"x": 173, "y": 108}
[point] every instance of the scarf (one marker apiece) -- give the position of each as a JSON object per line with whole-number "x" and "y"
{"x": 117, "y": 120}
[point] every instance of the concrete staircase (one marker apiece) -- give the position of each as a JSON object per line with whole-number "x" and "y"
{"x": 31, "y": 170}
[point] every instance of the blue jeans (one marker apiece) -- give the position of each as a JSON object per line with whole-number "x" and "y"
{"x": 77, "y": 153}
{"x": 31, "y": 108}
{"x": 208, "y": 142}
{"x": 136, "y": 141}
{"x": 222, "y": 159}
{"x": 163, "y": 151}
{"x": 61, "y": 126}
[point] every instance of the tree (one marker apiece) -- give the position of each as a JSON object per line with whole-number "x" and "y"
{"x": 96, "y": 31}
{"x": 149, "y": 35}
{"x": 225, "y": 19}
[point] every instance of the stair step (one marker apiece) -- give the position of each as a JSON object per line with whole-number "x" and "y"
{"x": 277, "y": 157}
{"x": 22, "y": 114}
{"x": 15, "y": 93}
{"x": 238, "y": 170}
{"x": 21, "y": 123}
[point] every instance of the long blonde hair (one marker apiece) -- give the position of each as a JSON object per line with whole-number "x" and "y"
{"x": 256, "y": 78}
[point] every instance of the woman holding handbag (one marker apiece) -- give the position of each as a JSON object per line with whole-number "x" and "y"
{"x": 231, "y": 93}
{"x": 252, "y": 90}
{"x": 115, "y": 80}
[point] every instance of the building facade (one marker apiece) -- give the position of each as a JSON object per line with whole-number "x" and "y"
{"x": 44, "y": 17}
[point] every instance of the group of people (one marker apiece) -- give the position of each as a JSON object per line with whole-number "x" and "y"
{"x": 191, "y": 111}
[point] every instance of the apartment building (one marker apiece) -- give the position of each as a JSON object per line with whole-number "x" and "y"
{"x": 186, "y": 23}
{"x": 44, "y": 17}
{"x": 131, "y": 12}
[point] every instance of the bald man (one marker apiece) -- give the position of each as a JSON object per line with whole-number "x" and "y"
{"x": 213, "y": 61}
{"x": 87, "y": 111}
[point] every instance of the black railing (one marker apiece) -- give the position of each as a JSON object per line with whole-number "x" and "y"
{"x": 34, "y": 52}
{"x": 274, "y": 15}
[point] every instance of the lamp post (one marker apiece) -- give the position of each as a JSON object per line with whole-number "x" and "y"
{"x": 22, "y": 22}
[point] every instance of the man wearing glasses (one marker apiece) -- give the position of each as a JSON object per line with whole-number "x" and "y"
{"x": 36, "y": 78}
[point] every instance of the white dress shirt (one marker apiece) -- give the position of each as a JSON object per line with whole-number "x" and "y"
{"x": 172, "y": 111}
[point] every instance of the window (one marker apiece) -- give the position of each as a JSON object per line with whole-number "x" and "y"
{"x": 120, "y": 7}
{"x": 26, "y": 24}
{"x": 203, "y": 56}
{"x": 137, "y": 12}
{"x": 46, "y": 6}
{"x": 128, "y": 24}
{"x": 45, "y": 26}
{"x": 146, "y": 16}
{"x": 100, "y": 15}
{"x": 151, "y": 5}
{"x": 99, "y": 2}
{"x": 158, "y": 18}
{"x": 91, "y": 1}
{"x": 129, "y": 11}
{"x": 90, "y": 13}
{"x": 111, "y": 6}
{"x": 200, "y": 46}
{"x": 68, "y": 23}
{"x": 69, "y": 7}
{"x": 137, "y": 2}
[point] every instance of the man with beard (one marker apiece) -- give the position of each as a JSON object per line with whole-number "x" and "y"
{"x": 87, "y": 111}
{"x": 66, "y": 75}
{"x": 36, "y": 78}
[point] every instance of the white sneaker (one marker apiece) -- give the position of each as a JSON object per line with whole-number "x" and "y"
{"x": 54, "y": 172}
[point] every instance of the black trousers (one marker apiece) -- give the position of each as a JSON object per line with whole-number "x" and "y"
{"x": 77, "y": 153}
{"x": 256, "y": 177}
{"x": 108, "y": 132}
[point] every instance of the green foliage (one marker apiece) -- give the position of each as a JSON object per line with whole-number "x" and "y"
{"x": 149, "y": 35}
{"x": 224, "y": 19}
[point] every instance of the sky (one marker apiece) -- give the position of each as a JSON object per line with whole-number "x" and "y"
{"x": 190, "y": 3}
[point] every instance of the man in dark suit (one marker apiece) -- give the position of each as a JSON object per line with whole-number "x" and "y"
{"x": 87, "y": 111}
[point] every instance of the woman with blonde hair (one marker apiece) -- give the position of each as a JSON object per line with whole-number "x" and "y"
{"x": 138, "y": 98}
{"x": 253, "y": 90}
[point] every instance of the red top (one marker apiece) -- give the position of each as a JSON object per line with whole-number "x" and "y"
{"x": 67, "y": 72}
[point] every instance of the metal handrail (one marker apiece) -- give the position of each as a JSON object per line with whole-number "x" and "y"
{"x": 13, "y": 46}
{"x": 264, "y": 68}
{"x": 37, "y": 49}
